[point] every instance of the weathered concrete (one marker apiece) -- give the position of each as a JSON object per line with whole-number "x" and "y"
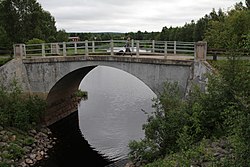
{"x": 14, "y": 70}
{"x": 57, "y": 78}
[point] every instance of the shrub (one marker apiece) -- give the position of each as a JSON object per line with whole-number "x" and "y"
{"x": 178, "y": 126}
{"x": 19, "y": 111}
{"x": 16, "y": 151}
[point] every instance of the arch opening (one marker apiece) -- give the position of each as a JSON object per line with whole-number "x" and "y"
{"x": 61, "y": 100}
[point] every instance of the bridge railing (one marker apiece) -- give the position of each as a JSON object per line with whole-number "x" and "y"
{"x": 110, "y": 47}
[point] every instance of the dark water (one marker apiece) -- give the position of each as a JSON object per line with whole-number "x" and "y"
{"x": 99, "y": 133}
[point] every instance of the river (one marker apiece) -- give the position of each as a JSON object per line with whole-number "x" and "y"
{"x": 117, "y": 106}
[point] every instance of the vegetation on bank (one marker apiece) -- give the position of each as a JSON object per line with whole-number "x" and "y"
{"x": 18, "y": 115}
{"x": 81, "y": 94}
{"x": 19, "y": 111}
{"x": 183, "y": 132}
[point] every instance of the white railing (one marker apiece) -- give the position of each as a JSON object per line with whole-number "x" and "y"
{"x": 111, "y": 47}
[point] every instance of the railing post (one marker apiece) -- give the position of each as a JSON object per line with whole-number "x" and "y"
{"x": 200, "y": 50}
{"x": 64, "y": 49}
{"x": 153, "y": 46}
{"x": 75, "y": 48}
{"x": 165, "y": 49}
{"x": 111, "y": 47}
{"x": 175, "y": 47}
{"x": 43, "y": 50}
{"x": 137, "y": 48}
{"x": 24, "y": 50}
{"x": 93, "y": 46}
{"x": 86, "y": 48}
{"x": 55, "y": 48}
{"x": 19, "y": 51}
{"x": 132, "y": 46}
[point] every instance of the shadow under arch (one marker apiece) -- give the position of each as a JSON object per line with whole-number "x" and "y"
{"x": 61, "y": 101}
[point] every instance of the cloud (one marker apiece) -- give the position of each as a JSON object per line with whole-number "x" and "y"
{"x": 127, "y": 16}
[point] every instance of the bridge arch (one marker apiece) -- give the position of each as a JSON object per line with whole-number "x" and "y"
{"x": 64, "y": 78}
{"x": 61, "y": 100}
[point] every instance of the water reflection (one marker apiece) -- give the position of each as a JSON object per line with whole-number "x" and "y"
{"x": 112, "y": 115}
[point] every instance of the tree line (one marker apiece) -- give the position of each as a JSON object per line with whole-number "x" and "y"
{"x": 23, "y": 20}
{"x": 220, "y": 29}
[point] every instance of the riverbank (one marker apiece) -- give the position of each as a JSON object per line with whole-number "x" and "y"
{"x": 24, "y": 149}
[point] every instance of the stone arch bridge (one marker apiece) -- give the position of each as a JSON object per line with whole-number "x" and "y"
{"x": 57, "y": 78}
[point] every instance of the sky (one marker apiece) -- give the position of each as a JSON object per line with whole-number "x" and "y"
{"x": 129, "y": 16}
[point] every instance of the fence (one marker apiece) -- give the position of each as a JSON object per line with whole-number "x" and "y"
{"x": 111, "y": 47}
{"x": 215, "y": 53}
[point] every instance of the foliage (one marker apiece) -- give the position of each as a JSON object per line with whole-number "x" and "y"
{"x": 184, "y": 33}
{"x": 25, "y": 19}
{"x": 15, "y": 150}
{"x": 35, "y": 41}
{"x": 4, "y": 39}
{"x": 28, "y": 141}
{"x": 62, "y": 36}
{"x": 81, "y": 94}
{"x": 4, "y": 60}
{"x": 229, "y": 32}
{"x": 162, "y": 127}
{"x": 193, "y": 156}
{"x": 178, "y": 126}
{"x": 16, "y": 145}
{"x": 19, "y": 111}
{"x": 246, "y": 42}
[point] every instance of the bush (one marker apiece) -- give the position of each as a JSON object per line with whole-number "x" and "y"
{"x": 19, "y": 111}
{"x": 35, "y": 41}
{"x": 178, "y": 126}
{"x": 161, "y": 128}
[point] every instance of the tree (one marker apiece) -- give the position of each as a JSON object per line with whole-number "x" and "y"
{"x": 229, "y": 32}
{"x": 25, "y": 19}
{"x": 4, "y": 39}
{"x": 200, "y": 28}
{"x": 62, "y": 36}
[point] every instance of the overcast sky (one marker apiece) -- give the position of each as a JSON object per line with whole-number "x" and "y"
{"x": 129, "y": 15}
